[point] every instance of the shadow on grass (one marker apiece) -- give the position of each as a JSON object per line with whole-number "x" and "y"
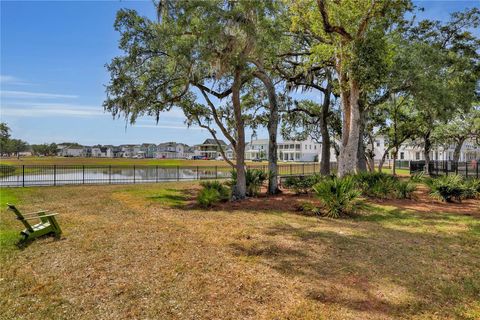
{"x": 363, "y": 266}
{"x": 173, "y": 198}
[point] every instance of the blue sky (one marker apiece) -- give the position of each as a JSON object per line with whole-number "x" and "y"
{"x": 52, "y": 73}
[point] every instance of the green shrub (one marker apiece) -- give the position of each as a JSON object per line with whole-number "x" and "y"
{"x": 472, "y": 188}
{"x": 418, "y": 176}
{"x": 302, "y": 184}
{"x": 376, "y": 184}
{"x": 405, "y": 189}
{"x": 310, "y": 208}
{"x": 212, "y": 192}
{"x": 447, "y": 188}
{"x": 223, "y": 190}
{"x": 338, "y": 196}
{"x": 254, "y": 180}
{"x": 208, "y": 197}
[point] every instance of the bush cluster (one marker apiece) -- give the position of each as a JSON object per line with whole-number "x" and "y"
{"x": 339, "y": 196}
{"x": 254, "y": 180}
{"x": 453, "y": 187}
{"x": 302, "y": 184}
{"x": 384, "y": 186}
{"x": 212, "y": 192}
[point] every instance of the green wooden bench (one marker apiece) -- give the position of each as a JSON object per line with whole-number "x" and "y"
{"x": 48, "y": 224}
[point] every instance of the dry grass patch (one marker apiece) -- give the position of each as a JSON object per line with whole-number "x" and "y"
{"x": 145, "y": 252}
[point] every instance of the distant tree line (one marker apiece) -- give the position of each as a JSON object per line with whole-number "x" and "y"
{"x": 8, "y": 145}
{"x": 13, "y": 147}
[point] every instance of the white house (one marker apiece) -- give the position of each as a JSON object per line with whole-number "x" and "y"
{"x": 171, "y": 150}
{"x": 131, "y": 150}
{"x": 302, "y": 151}
{"x": 412, "y": 150}
{"x": 70, "y": 150}
{"x": 256, "y": 149}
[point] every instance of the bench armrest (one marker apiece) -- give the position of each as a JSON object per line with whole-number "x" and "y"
{"x": 36, "y": 213}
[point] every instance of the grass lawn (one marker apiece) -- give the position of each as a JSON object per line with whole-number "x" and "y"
{"x": 144, "y": 252}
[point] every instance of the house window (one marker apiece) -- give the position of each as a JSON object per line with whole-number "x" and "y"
{"x": 378, "y": 143}
{"x": 297, "y": 156}
{"x": 310, "y": 147}
{"x": 417, "y": 156}
{"x": 402, "y": 156}
{"x": 315, "y": 147}
{"x": 306, "y": 147}
{"x": 298, "y": 147}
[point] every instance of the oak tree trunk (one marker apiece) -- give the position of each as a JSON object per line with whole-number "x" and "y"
{"x": 325, "y": 156}
{"x": 458, "y": 148}
{"x": 240, "y": 189}
{"x": 273, "y": 119}
{"x": 362, "y": 161}
{"x": 426, "y": 151}
{"x": 394, "y": 166}
{"x": 348, "y": 160}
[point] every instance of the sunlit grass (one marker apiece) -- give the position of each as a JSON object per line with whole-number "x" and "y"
{"x": 142, "y": 250}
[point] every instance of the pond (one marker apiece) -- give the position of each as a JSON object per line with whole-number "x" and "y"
{"x": 65, "y": 175}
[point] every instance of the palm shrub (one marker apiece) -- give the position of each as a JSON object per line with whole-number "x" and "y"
{"x": 472, "y": 188}
{"x": 302, "y": 184}
{"x": 338, "y": 195}
{"x": 223, "y": 190}
{"x": 405, "y": 189}
{"x": 418, "y": 176}
{"x": 447, "y": 188}
{"x": 376, "y": 184}
{"x": 212, "y": 192}
{"x": 254, "y": 180}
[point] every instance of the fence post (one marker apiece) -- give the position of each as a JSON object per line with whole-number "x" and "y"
{"x": 156, "y": 173}
{"x": 303, "y": 168}
{"x": 290, "y": 169}
{"x": 83, "y": 174}
{"x": 54, "y": 174}
{"x": 216, "y": 173}
{"x": 23, "y": 175}
{"x": 178, "y": 173}
{"x": 466, "y": 169}
{"x": 197, "y": 174}
{"x": 110, "y": 174}
{"x": 133, "y": 174}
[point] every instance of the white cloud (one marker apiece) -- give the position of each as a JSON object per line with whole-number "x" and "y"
{"x": 30, "y": 95}
{"x": 50, "y": 109}
{"x": 5, "y": 80}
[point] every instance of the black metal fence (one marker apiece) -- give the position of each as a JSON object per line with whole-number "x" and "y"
{"x": 56, "y": 175}
{"x": 468, "y": 169}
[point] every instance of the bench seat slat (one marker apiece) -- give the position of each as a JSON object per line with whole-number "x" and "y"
{"x": 43, "y": 216}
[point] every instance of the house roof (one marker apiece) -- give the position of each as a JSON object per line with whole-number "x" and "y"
{"x": 212, "y": 141}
